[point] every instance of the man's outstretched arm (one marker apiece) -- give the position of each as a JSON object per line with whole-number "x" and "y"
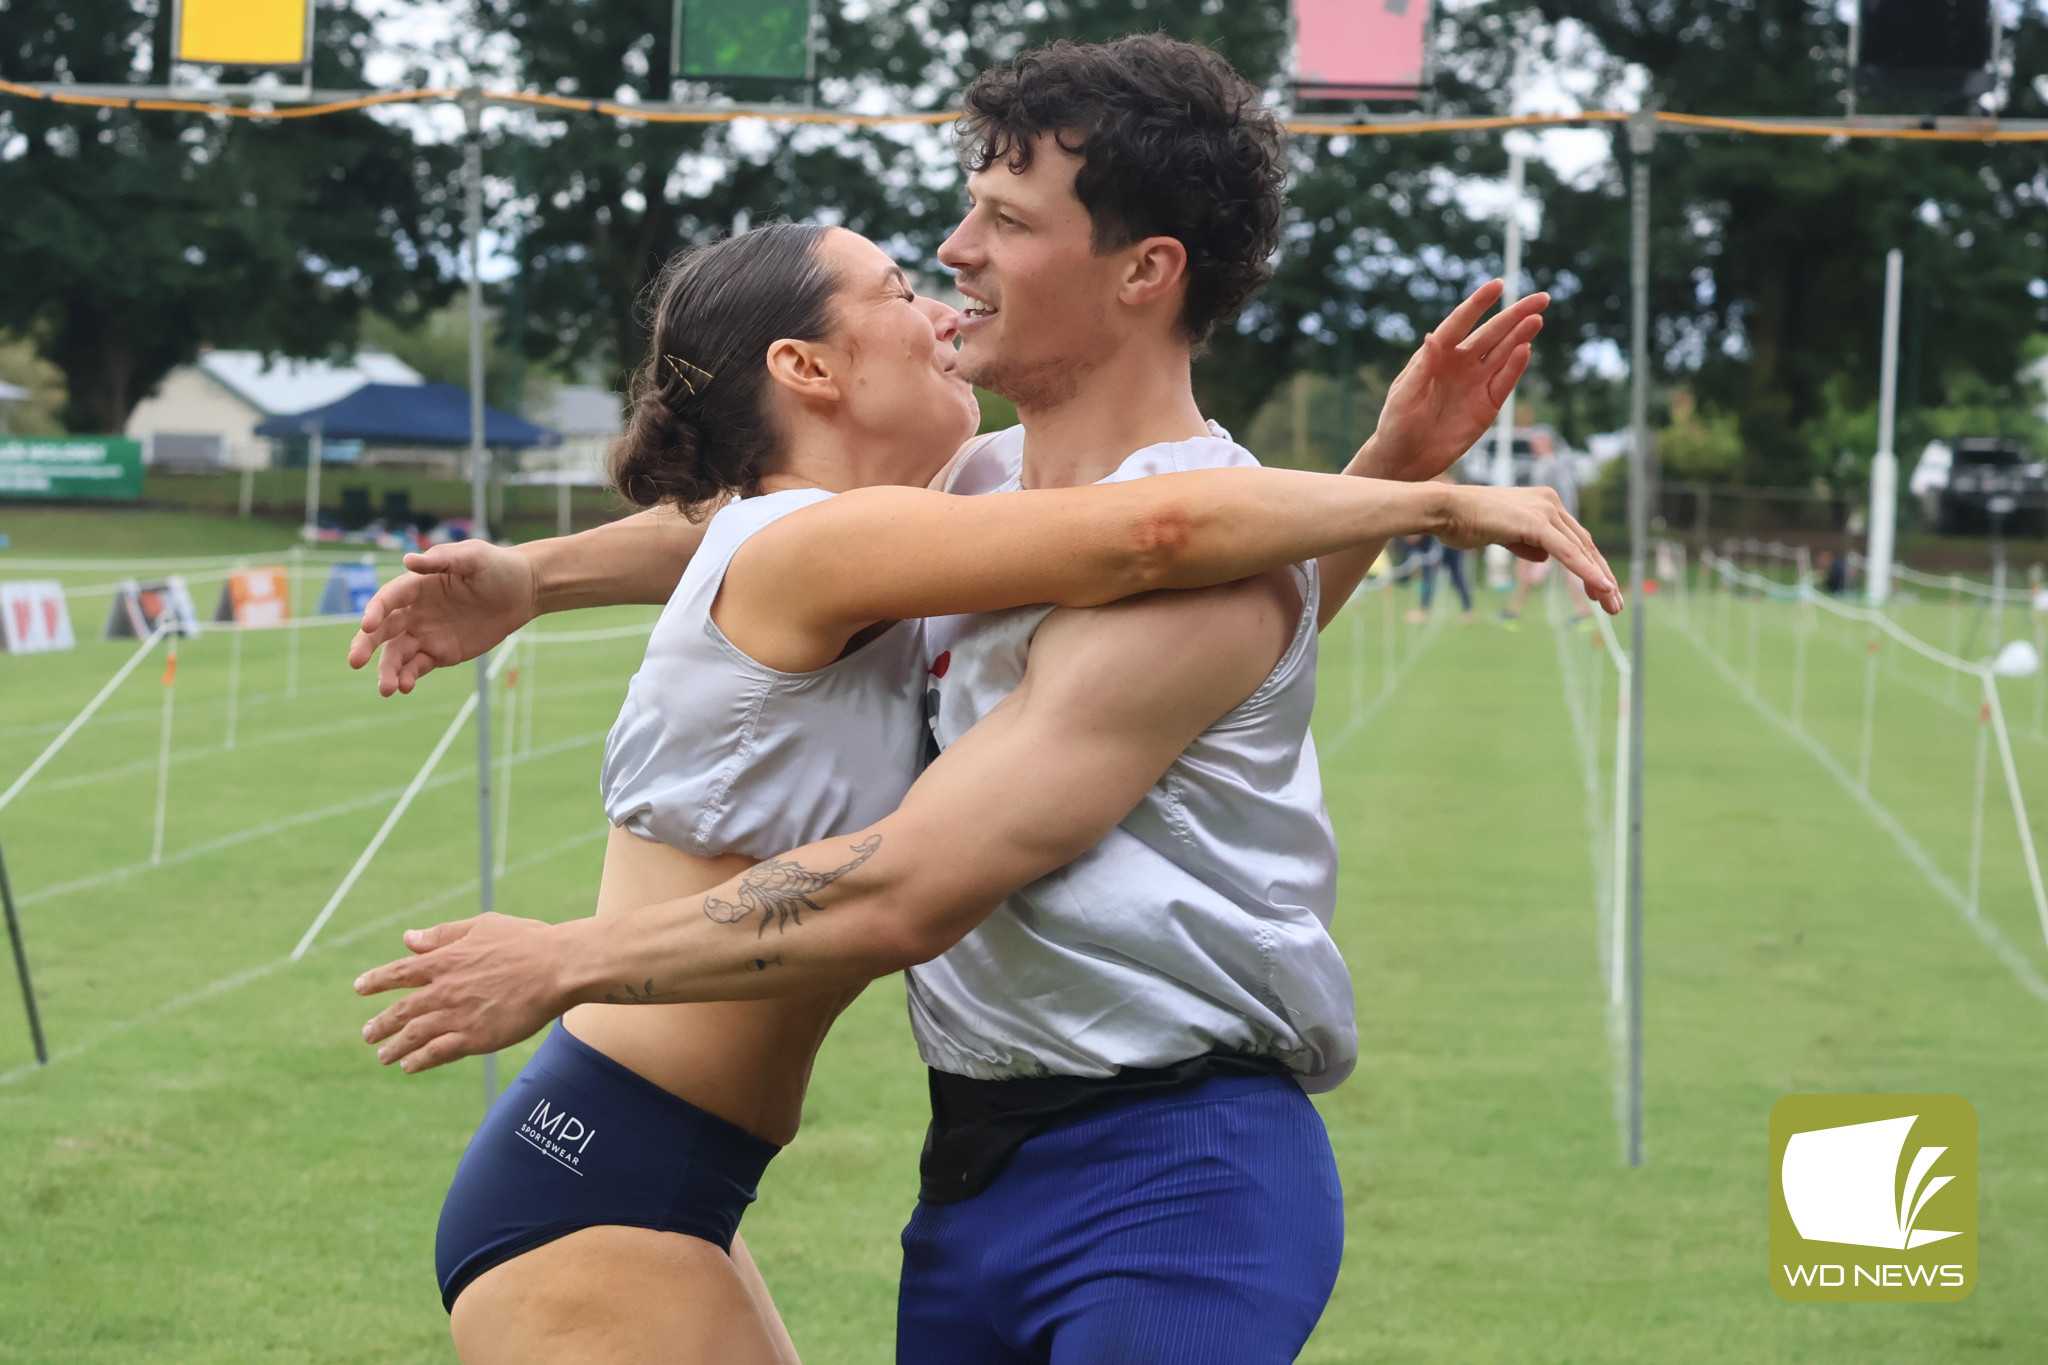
{"x": 456, "y": 601}
{"x": 1111, "y": 697}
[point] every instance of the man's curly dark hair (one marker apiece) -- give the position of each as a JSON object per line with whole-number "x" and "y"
{"x": 1174, "y": 144}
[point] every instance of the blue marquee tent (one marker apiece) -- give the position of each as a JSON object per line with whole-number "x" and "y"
{"x": 409, "y": 415}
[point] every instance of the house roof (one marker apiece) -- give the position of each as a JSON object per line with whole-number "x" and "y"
{"x": 274, "y": 384}
{"x": 408, "y": 415}
{"x": 583, "y": 410}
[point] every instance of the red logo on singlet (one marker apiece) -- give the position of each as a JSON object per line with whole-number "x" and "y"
{"x": 941, "y": 664}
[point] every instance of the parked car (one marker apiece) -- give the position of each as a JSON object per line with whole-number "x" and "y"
{"x": 1476, "y": 464}
{"x": 1962, "y": 487}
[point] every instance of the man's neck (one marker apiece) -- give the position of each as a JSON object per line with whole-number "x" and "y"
{"x": 1136, "y": 399}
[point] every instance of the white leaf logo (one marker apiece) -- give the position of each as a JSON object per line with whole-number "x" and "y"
{"x": 1839, "y": 1185}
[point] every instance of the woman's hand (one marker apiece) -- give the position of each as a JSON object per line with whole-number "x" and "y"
{"x": 478, "y": 985}
{"x": 1531, "y": 522}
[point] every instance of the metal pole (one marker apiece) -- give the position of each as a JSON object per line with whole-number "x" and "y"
{"x": 1977, "y": 802}
{"x": 314, "y": 436}
{"x": 1503, "y": 473}
{"x": 234, "y": 683}
{"x": 1856, "y": 54}
{"x": 295, "y": 594}
{"x": 1998, "y": 576}
{"x": 1642, "y": 139}
{"x": 511, "y": 728}
{"x": 28, "y": 990}
{"x": 1884, "y": 468}
{"x": 1802, "y": 608}
{"x": 479, "y": 473}
{"x": 163, "y": 750}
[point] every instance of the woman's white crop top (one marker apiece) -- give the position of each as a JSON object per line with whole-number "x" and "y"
{"x": 715, "y": 753}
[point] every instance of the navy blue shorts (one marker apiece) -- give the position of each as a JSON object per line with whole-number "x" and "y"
{"x": 1198, "y": 1228}
{"x": 579, "y": 1141}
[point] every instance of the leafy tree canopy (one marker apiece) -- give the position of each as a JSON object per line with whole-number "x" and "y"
{"x": 1768, "y": 253}
{"x": 132, "y": 239}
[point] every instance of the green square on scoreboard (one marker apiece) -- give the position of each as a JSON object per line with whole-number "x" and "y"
{"x": 757, "y": 39}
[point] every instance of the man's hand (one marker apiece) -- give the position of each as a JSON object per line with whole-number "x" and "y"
{"x": 1452, "y": 388}
{"x": 480, "y": 984}
{"x": 452, "y": 603}
{"x": 1531, "y": 522}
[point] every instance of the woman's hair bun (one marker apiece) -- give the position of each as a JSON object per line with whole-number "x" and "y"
{"x": 699, "y": 428}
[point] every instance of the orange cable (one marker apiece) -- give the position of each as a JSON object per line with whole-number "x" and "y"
{"x": 641, "y": 114}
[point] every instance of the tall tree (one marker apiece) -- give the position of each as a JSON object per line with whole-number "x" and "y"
{"x": 1768, "y": 252}
{"x": 599, "y": 204}
{"x": 130, "y": 240}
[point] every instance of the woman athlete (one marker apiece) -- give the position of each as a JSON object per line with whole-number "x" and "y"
{"x": 594, "y": 1215}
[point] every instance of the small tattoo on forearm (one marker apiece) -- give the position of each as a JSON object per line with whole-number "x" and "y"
{"x": 762, "y": 964}
{"x": 781, "y": 890}
{"x": 629, "y": 994}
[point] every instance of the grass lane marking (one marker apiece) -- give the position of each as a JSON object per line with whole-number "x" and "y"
{"x": 236, "y": 980}
{"x": 1599, "y": 833}
{"x": 395, "y": 717}
{"x": 2021, "y": 968}
{"x": 1361, "y": 717}
{"x": 78, "y": 721}
{"x": 268, "y": 827}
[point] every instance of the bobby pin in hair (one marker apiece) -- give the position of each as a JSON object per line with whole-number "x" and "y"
{"x": 691, "y": 375}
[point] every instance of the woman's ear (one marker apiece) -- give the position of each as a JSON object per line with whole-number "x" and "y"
{"x": 804, "y": 370}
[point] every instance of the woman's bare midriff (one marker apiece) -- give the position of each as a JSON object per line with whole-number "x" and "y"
{"x": 746, "y": 1061}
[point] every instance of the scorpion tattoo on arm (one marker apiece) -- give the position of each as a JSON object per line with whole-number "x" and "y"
{"x": 780, "y": 890}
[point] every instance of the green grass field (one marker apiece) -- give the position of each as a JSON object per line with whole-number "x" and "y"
{"x": 214, "y": 1169}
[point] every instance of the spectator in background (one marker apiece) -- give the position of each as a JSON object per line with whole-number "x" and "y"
{"x": 1554, "y": 472}
{"x": 1437, "y": 555}
{"x": 1834, "y": 573}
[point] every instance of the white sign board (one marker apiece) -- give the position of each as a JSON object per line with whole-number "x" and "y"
{"x": 34, "y": 618}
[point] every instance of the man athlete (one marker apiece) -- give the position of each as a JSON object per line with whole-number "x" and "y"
{"x": 1122, "y": 1164}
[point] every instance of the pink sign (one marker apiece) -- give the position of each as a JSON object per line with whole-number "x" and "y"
{"x": 1360, "y": 49}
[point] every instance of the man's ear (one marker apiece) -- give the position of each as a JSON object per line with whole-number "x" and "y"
{"x": 804, "y": 370}
{"x": 1157, "y": 266}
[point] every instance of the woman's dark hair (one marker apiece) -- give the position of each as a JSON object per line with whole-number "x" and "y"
{"x": 699, "y": 428}
{"x": 1174, "y": 143}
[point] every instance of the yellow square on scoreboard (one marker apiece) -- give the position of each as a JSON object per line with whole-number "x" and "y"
{"x": 244, "y": 32}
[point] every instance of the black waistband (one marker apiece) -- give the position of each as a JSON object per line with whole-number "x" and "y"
{"x": 977, "y": 1126}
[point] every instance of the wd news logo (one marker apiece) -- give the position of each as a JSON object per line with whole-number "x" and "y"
{"x": 1873, "y": 1198}
{"x": 557, "y": 1135}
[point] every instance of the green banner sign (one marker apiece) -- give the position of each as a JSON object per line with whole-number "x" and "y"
{"x": 758, "y": 39}
{"x": 105, "y": 467}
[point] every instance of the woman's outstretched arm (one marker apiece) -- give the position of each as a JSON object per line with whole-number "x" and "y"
{"x": 797, "y": 591}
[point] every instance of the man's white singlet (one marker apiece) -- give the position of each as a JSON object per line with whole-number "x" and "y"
{"x": 716, "y": 753}
{"x": 1200, "y": 923}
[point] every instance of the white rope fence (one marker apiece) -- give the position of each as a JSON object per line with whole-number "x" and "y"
{"x": 505, "y": 655}
{"x": 78, "y": 721}
{"x": 1589, "y": 708}
{"x": 1394, "y": 665}
{"x": 2016, "y": 659}
{"x": 1954, "y": 584}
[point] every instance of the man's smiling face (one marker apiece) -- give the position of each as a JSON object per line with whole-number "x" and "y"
{"x": 1041, "y": 302}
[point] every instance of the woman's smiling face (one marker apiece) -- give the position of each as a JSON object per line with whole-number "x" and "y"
{"x": 900, "y": 378}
